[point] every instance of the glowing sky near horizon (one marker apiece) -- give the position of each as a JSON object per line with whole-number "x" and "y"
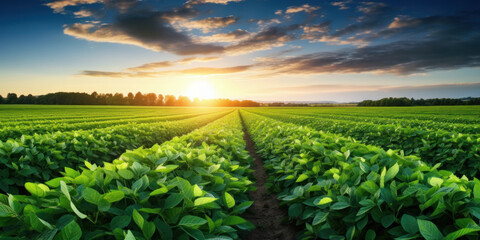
{"x": 340, "y": 50}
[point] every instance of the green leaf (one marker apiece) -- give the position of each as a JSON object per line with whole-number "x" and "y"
{"x": 173, "y": 200}
{"x": 130, "y": 236}
{"x": 233, "y": 220}
{"x": 38, "y": 190}
{"x": 120, "y": 221}
{"x": 166, "y": 168}
{"x": 324, "y": 200}
{"x": 409, "y": 224}
{"x": 192, "y": 221}
{"x": 382, "y": 177}
{"x": 388, "y": 220}
{"x": 64, "y": 189}
{"x": 428, "y": 230}
{"x": 476, "y": 190}
{"x": 319, "y": 217}
{"x": 159, "y": 191}
{"x": 125, "y": 173}
{"x": 434, "y": 181}
{"x": 71, "y": 231}
{"x": 114, "y": 196}
{"x": 302, "y": 178}
{"x": 138, "y": 219}
{"x": 392, "y": 172}
{"x": 6, "y": 211}
{"x": 91, "y": 195}
{"x": 370, "y": 235}
{"x": 339, "y": 206}
{"x": 460, "y": 233}
{"x": 229, "y": 200}
{"x": 295, "y": 210}
{"x": 75, "y": 210}
{"x": 204, "y": 200}
{"x": 370, "y": 186}
{"x": 148, "y": 230}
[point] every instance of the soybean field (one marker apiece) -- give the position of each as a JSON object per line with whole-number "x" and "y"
{"x": 97, "y": 172}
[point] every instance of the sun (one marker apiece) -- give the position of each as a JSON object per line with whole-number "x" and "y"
{"x": 200, "y": 90}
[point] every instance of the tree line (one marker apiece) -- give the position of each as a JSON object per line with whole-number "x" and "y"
{"x": 419, "y": 102}
{"x": 138, "y": 99}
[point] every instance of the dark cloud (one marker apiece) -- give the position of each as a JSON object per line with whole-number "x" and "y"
{"x": 266, "y": 39}
{"x": 403, "y": 57}
{"x": 146, "y": 29}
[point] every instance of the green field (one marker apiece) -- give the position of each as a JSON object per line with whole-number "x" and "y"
{"x": 98, "y": 172}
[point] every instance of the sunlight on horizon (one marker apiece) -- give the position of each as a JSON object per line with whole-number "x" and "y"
{"x": 201, "y": 90}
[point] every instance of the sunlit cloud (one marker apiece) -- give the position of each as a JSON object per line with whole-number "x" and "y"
{"x": 60, "y": 5}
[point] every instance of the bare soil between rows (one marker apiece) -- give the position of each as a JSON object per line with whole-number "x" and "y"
{"x": 265, "y": 213}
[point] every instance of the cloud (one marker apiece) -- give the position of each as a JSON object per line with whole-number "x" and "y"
{"x": 60, "y": 5}
{"x": 151, "y": 66}
{"x": 341, "y": 5}
{"x": 83, "y": 13}
{"x": 147, "y": 30}
{"x": 164, "y": 64}
{"x": 233, "y": 36}
{"x": 206, "y": 24}
{"x": 195, "y": 2}
{"x": 266, "y": 39}
{"x": 303, "y": 8}
{"x": 401, "y": 58}
{"x": 188, "y": 71}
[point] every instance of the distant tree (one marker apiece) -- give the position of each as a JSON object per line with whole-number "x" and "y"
{"x": 1, "y": 99}
{"x": 150, "y": 99}
{"x": 130, "y": 98}
{"x": 12, "y": 98}
{"x": 21, "y": 99}
{"x": 159, "y": 100}
{"x": 183, "y": 101}
{"x": 139, "y": 99}
{"x": 170, "y": 100}
{"x": 30, "y": 99}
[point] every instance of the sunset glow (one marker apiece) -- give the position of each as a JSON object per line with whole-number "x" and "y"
{"x": 200, "y": 90}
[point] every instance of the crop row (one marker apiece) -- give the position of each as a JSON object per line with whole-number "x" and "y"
{"x": 41, "y": 157}
{"x": 412, "y": 123}
{"x": 33, "y": 119}
{"x": 17, "y": 131}
{"x": 459, "y": 153}
{"x": 193, "y": 186}
{"x": 337, "y": 188}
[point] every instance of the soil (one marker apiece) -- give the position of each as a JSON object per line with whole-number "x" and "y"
{"x": 265, "y": 212}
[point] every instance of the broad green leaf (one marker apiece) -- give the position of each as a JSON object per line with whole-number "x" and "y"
{"x": 71, "y": 231}
{"x": 148, "y": 229}
{"x": 392, "y": 172}
{"x": 75, "y": 210}
{"x": 114, "y": 196}
{"x": 204, "y": 200}
{"x": 120, "y": 221}
{"x": 339, "y": 206}
{"x": 192, "y": 221}
{"x": 138, "y": 219}
{"x": 382, "y": 177}
{"x": 434, "y": 181}
{"x": 428, "y": 230}
{"x": 125, "y": 173}
{"x": 302, "y": 178}
{"x": 325, "y": 200}
{"x": 91, "y": 195}
{"x": 370, "y": 186}
{"x": 129, "y": 236}
{"x": 460, "y": 233}
{"x": 229, "y": 200}
{"x": 173, "y": 200}
{"x": 233, "y": 220}
{"x": 166, "y": 168}
{"x": 370, "y": 235}
{"x": 409, "y": 223}
{"x": 64, "y": 189}
{"x": 37, "y": 189}
{"x": 319, "y": 217}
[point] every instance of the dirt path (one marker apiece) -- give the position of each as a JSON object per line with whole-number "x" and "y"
{"x": 265, "y": 212}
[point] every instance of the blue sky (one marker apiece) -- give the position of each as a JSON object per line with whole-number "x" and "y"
{"x": 261, "y": 50}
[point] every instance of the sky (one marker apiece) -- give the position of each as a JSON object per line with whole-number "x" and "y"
{"x": 264, "y": 50}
